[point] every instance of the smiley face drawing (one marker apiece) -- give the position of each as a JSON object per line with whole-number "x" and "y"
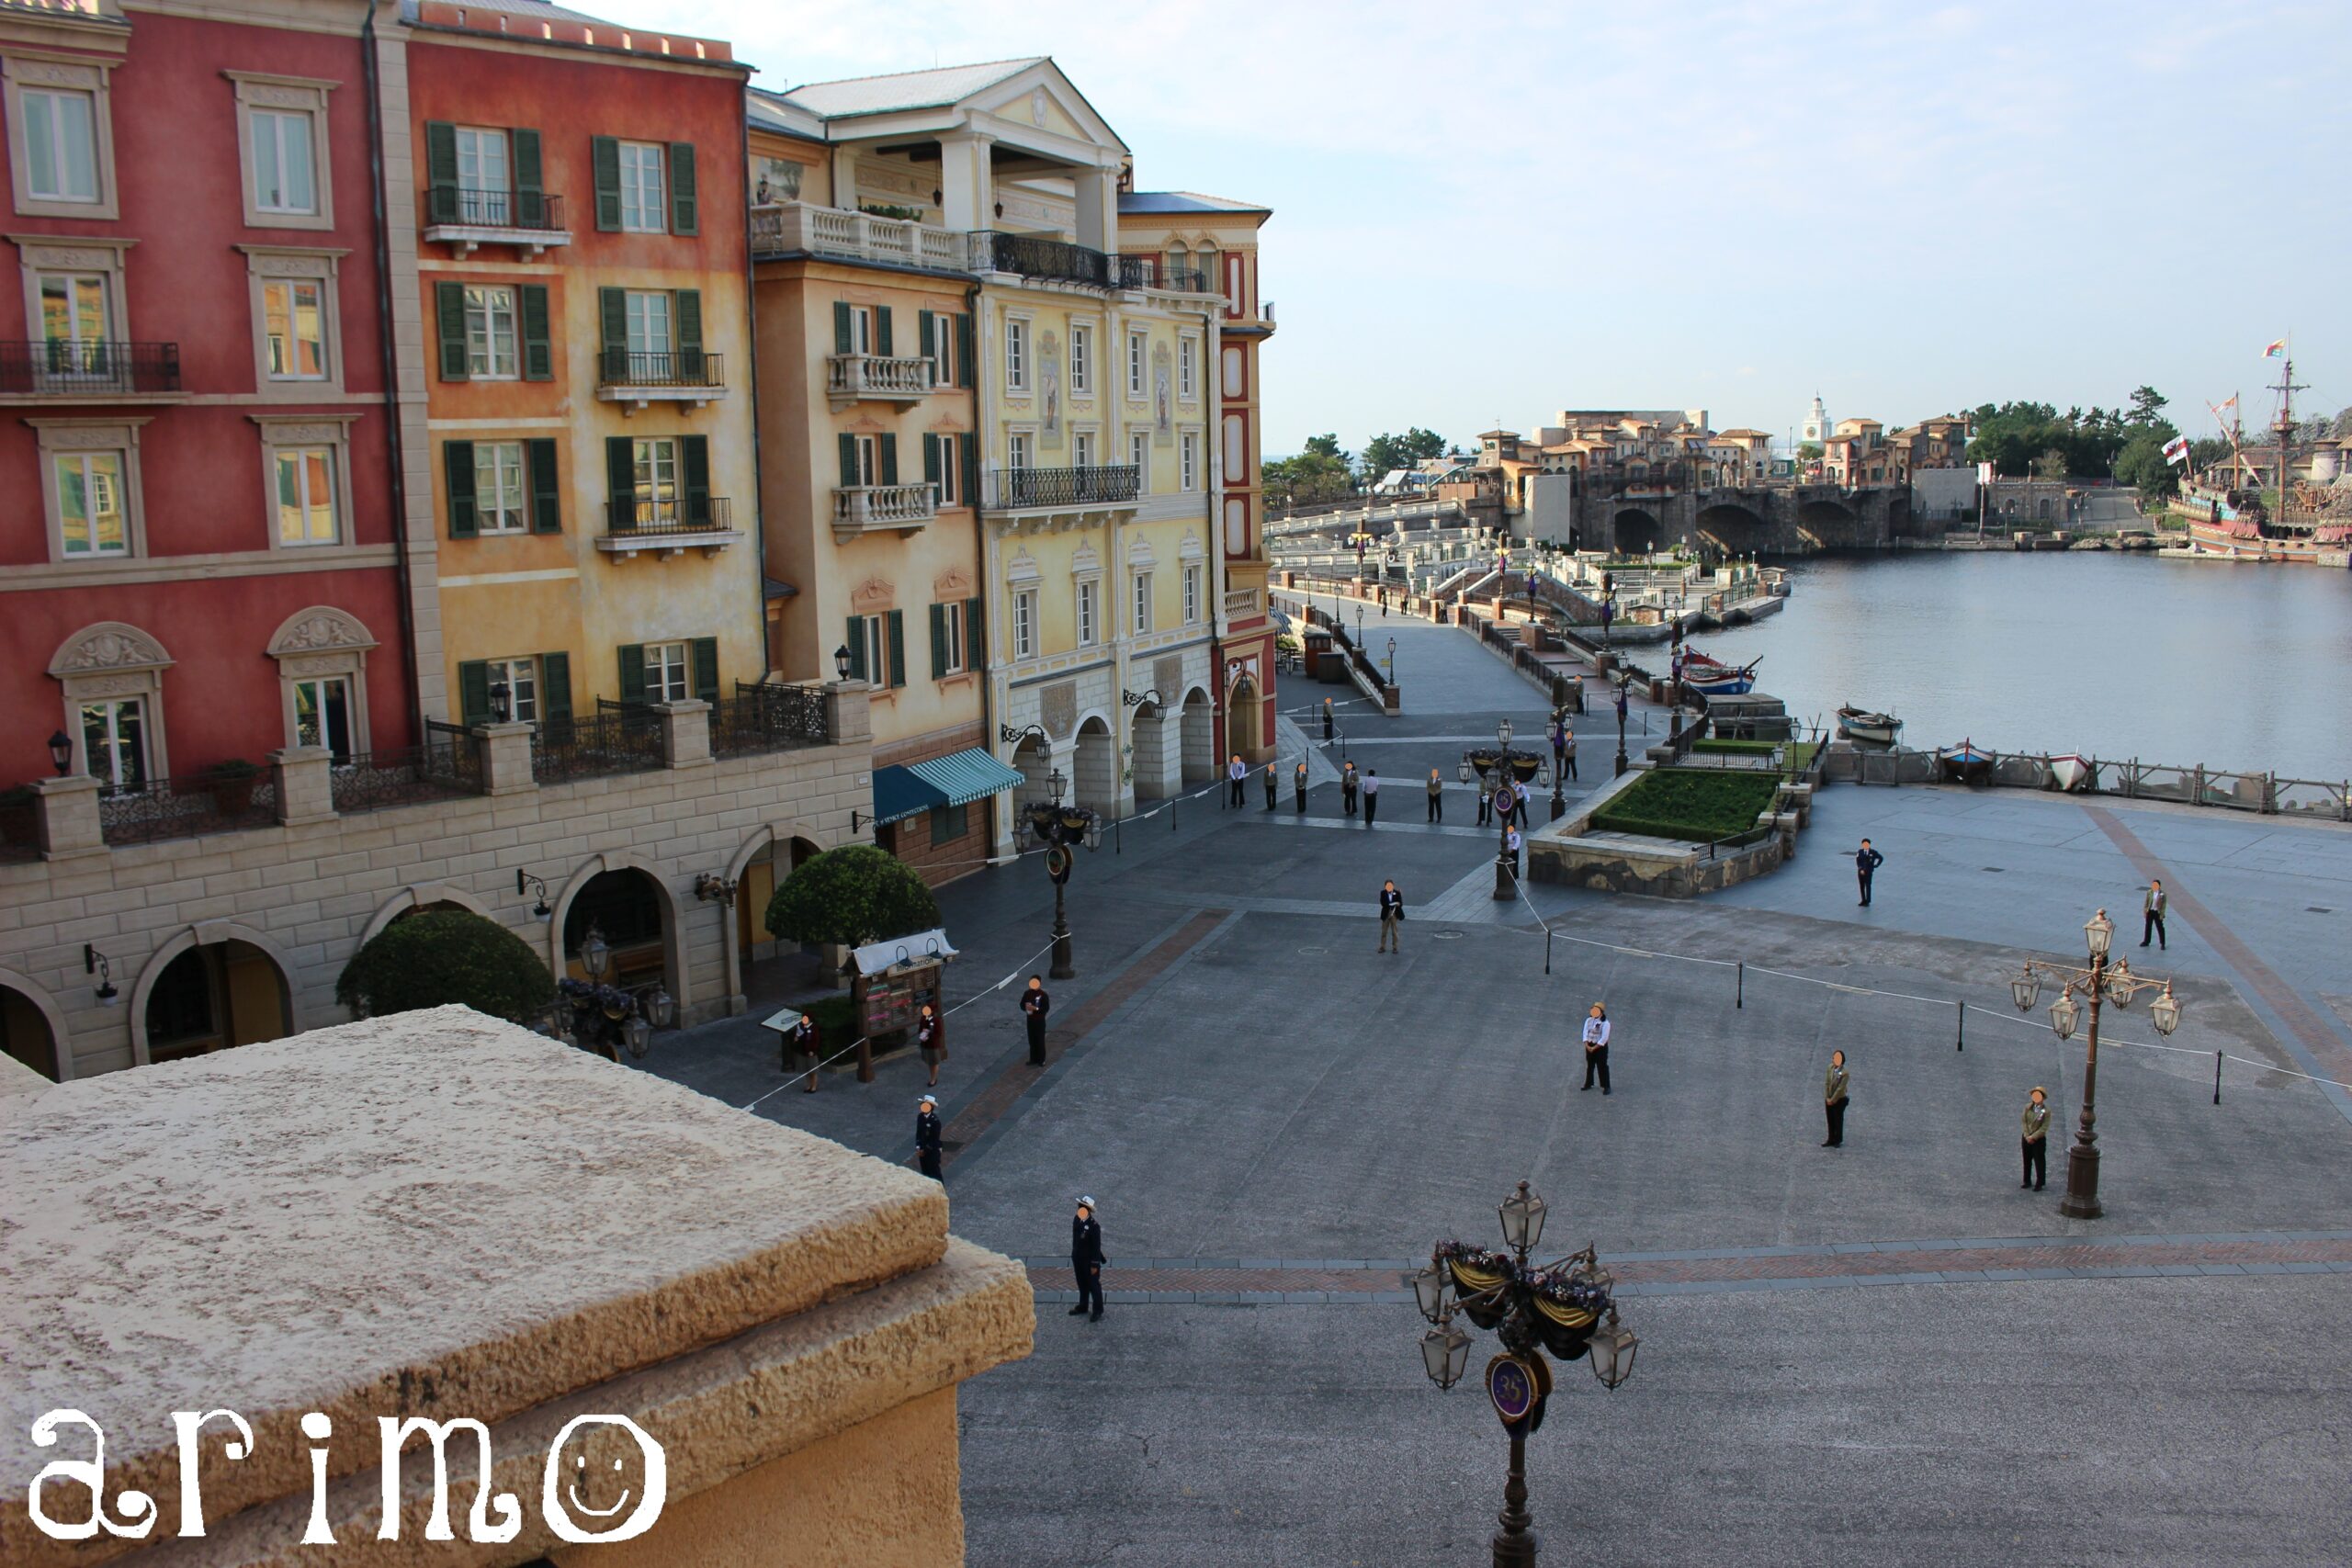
{"x": 592, "y": 1466}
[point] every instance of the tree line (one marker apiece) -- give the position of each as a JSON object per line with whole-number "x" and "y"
{"x": 1323, "y": 471}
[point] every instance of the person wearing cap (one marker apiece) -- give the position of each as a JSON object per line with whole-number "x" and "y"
{"x": 927, "y": 1138}
{"x": 1392, "y": 915}
{"x": 1437, "y": 798}
{"x": 1371, "y": 795}
{"x": 800, "y": 1040}
{"x": 1298, "y": 785}
{"x": 1086, "y": 1259}
{"x": 1274, "y": 787}
{"x": 2035, "y": 1142}
{"x": 1595, "y": 1047}
{"x": 1235, "y": 775}
{"x": 931, "y": 1037}
{"x": 1834, "y": 1090}
{"x": 1036, "y": 1003}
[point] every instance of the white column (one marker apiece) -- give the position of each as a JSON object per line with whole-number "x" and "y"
{"x": 845, "y": 178}
{"x": 966, "y": 186}
{"x": 1098, "y": 208}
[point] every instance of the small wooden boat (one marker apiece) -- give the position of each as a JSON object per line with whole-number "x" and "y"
{"x": 1966, "y": 762}
{"x": 1862, "y": 723}
{"x": 2071, "y": 771}
{"x": 1713, "y": 678}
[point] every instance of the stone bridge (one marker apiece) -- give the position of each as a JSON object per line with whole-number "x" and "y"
{"x": 1780, "y": 519}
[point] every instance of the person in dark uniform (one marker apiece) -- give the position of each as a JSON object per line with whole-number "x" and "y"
{"x": 927, "y": 1138}
{"x": 800, "y": 1040}
{"x": 1235, "y": 775}
{"x": 930, "y": 1039}
{"x": 1834, "y": 1090}
{"x": 2151, "y": 914}
{"x": 1392, "y": 915}
{"x": 1348, "y": 790}
{"x": 1437, "y": 798}
{"x": 1298, "y": 787}
{"x": 1035, "y": 1005}
{"x": 1371, "y": 795}
{"x": 1866, "y": 863}
{"x": 1274, "y": 789}
{"x": 1596, "y": 1046}
{"x": 1086, "y": 1259}
{"x": 2035, "y": 1140}
{"x": 1327, "y": 718}
{"x": 1485, "y": 803}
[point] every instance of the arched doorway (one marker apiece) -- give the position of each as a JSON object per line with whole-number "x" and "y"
{"x": 1094, "y": 767}
{"x": 214, "y": 995}
{"x": 1198, "y": 737}
{"x": 1244, "y": 718}
{"x": 1034, "y": 760}
{"x": 1155, "y": 761}
{"x": 1637, "y": 533}
{"x": 1731, "y": 530}
{"x": 25, "y": 1032}
{"x": 755, "y": 887}
{"x": 627, "y": 907}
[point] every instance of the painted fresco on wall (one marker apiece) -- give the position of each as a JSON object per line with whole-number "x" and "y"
{"x": 775, "y": 180}
{"x": 1049, "y": 378}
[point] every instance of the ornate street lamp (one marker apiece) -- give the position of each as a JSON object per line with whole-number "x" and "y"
{"x": 1058, "y": 826}
{"x": 96, "y": 963}
{"x": 596, "y": 953}
{"x": 2098, "y": 984}
{"x": 1509, "y": 768}
{"x": 1563, "y": 1307}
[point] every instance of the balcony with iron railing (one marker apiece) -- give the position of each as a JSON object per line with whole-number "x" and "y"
{"x": 863, "y": 508}
{"x": 796, "y": 227}
{"x": 467, "y": 220}
{"x": 86, "y": 368}
{"x": 668, "y": 525}
{"x": 856, "y": 378}
{"x": 1058, "y": 261}
{"x": 639, "y": 379}
{"x": 1017, "y": 490}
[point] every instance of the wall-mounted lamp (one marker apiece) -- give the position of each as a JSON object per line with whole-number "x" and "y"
{"x": 61, "y": 753}
{"x": 841, "y": 662}
{"x": 501, "y": 701}
{"x": 524, "y": 883}
{"x": 94, "y": 962}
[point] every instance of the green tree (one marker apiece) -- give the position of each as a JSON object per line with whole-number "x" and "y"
{"x": 1384, "y": 453}
{"x": 2142, "y": 464}
{"x": 851, "y": 896}
{"x": 2051, "y": 465}
{"x": 2147, "y": 405}
{"x": 438, "y": 956}
{"x": 2343, "y": 425}
{"x": 1810, "y": 452}
{"x": 1309, "y": 477}
{"x": 1325, "y": 445}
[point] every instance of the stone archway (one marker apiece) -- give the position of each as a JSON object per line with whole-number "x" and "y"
{"x": 419, "y": 896}
{"x": 1827, "y": 524}
{"x": 628, "y": 906}
{"x": 1034, "y": 758}
{"x": 1634, "y": 532}
{"x": 213, "y": 987}
{"x": 1197, "y": 738}
{"x": 1732, "y": 530}
{"x": 32, "y": 1030}
{"x": 1158, "y": 762}
{"x": 1094, "y": 766}
{"x": 1244, "y": 717}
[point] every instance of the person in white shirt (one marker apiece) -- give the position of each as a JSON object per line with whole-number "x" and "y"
{"x": 1371, "y": 795}
{"x": 1236, "y": 774}
{"x": 1510, "y": 847}
{"x": 1595, "y": 1047}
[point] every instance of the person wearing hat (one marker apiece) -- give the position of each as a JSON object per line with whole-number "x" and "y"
{"x": 1866, "y": 863}
{"x": 927, "y": 1138}
{"x": 1086, "y": 1259}
{"x": 1833, "y": 1090}
{"x": 931, "y": 1037}
{"x": 1035, "y": 1005}
{"x": 1437, "y": 798}
{"x": 1298, "y": 785}
{"x": 1595, "y": 1047}
{"x": 1371, "y": 795}
{"x": 2036, "y": 1140}
{"x": 1235, "y": 775}
{"x": 1392, "y": 915}
{"x": 1274, "y": 787}
{"x": 800, "y": 1040}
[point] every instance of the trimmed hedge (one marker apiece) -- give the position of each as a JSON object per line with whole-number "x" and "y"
{"x": 851, "y": 896}
{"x": 1696, "y": 805}
{"x": 1738, "y": 748}
{"x": 437, "y": 956}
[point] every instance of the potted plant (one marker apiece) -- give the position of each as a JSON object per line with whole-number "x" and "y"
{"x": 232, "y": 782}
{"x": 17, "y": 820}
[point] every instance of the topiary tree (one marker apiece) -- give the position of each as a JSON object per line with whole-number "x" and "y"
{"x": 851, "y": 896}
{"x": 437, "y": 956}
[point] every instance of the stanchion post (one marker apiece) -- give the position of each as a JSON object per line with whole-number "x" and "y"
{"x": 1547, "y": 950}
{"x": 2217, "y": 1077}
{"x": 1739, "y": 996}
{"x": 1960, "y": 1042}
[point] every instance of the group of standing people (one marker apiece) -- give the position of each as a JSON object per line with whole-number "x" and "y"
{"x": 2034, "y": 1130}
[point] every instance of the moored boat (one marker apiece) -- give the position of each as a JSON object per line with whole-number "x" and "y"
{"x": 2070, "y": 771}
{"x": 1862, "y": 723}
{"x": 1965, "y": 763}
{"x": 1712, "y": 677}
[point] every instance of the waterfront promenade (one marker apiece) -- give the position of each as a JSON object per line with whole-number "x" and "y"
{"x": 1880, "y": 1354}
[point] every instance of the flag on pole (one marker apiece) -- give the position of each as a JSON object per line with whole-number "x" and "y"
{"x": 2177, "y": 449}
{"x": 2278, "y": 349}
{"x": 2229, "y": 402}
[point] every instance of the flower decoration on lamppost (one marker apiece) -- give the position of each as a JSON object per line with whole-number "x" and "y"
{"x": 1564, "y": 1307}
{"x": 1057, "y": 828}
{"x": 1510, "y": 769}
{"x": 2098, "y": 983}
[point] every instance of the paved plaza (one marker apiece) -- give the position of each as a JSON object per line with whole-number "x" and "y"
{"x": 1880, "y": 1353}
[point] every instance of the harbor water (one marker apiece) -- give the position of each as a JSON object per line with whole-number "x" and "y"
{"x": 2117, "y": 656}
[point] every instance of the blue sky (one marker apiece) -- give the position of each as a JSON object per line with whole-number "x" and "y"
{"x": 1487, "y": 212}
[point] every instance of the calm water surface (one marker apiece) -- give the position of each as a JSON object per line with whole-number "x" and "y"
{"x": 2113, "y": 655}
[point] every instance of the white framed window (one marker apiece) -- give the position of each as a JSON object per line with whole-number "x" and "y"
{"x": 1016, "y": 355}
{"x": 1191, "y": 595}
{"x": 501, "y": 486}
{"x": 666, "y": 677}
{"x": 113, "y": 742}
{"x": 950, "y": 470}
{"x": 656, "y": 479}
{"x": 294, "y": 328}
{"x": 1138, "y": 352}
{"x": 1188, "y": 369}
{"x": 1025, "y": 624}
{"x": 520, "y": 678}
{"x": 866, "y": 467}
{"x": 648, "y": 313}
{"x": 875, "y": 631}
{"x": 77, "y": 322}
{"x": 643, "y": 209}
{"x": 1142, "y": 603}
{"x": 484, "y": 175}
{"x": 322, "y": 713}
{"x": 1139, "y": 456}
{"x": 1082, "y": 448}
{"x": 61, "y": 144}
{"x": 286, "y": 175}
{"x": 89, "y": 476}
{"x": 1016, "y": 449}
{"x": 945, "y": 364}
{"x": 306, "y": 495}
{"x": 490, "y": 335}
{"x": 1082, "y": 362}
{"x": 953, "y": 657}
{"x": 862, "y": 337}
{"x": 1089, "y": 629}
{"x": 1188, "y": 460}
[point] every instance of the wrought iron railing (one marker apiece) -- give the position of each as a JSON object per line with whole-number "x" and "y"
{"x": 1033, "y": 257}
{"x": 676, "y": 514}
{"x": 1182, "y": 279}
{"x": 1010, "y": 488}
{"x": 679, "y": 367}
{"x": 768, "y": 717}
{"x": 85, "y": 368}
{"x": 407, "y": 775}
{"x": 567, "y": 750}
{"x": 464, "y": 753}
{"x": 185, "y": 807}
{"x": 527, "y": 209}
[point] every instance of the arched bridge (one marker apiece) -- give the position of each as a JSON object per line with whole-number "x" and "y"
{"x": 1779, "y": 520}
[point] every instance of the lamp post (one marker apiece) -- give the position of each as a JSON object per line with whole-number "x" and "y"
{"x": 1559, "y": 771}
{"x": 1509, "y": 768}
{"x": 2099, "y": 983}
{"x": 1057, "y": 827}
{"x": 1532, "y": 1308}
{"x": 1392, "y": 660}
{"x": 1623, "y": 682}
{"x": 841, "y": 662}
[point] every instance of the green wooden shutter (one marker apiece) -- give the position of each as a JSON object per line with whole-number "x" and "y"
{"x": 632, "y": 672}
{"x": 605, "y": 157}
{"x": 923, "y": 327}
{"x": 972, "y": 624}
{"x": 440, "y": 172}
{"x": 882, "y": 329}
{"x": 457, "y": 467}
{"x": 539, "y": 346}
{"x": 857, "y": 648}
{"x": 849, "y": 458}
{"x": 971, "y": 449}
{"x": 474, "y": 692}
{"x": 887, "y": 459}
{"x": 688, "y": 317}
{"x": 555, "y": 688}
{"x": 703, "y": 661}
{"x": 449, "y": 312}
{"x": 930, "y": 458}
{"x": 695, "y": 450}
{"x": 964, "y": 351}
{"x": 612, "y": 333}
{"x": 844, "y": 335}
{"x": 530, "y": 194}
{"x": 682, "y": 206}
{"x": 620, "y": 481}
{"x": 547, "y": 495}
{"x": 938, "y": 641}
{"x": 897, "y": 648}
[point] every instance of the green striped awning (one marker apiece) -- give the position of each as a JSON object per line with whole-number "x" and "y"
{"x": 965, "y": 777}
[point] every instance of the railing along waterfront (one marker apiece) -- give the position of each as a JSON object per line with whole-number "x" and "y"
{"x": 768, "y": 717}
{"x": 2264, "y": 793}
{"x": 185, "y": 807}
{"x": 371, "y": 780}
{"x": 566, "y": 749}
{"x": 81, "y": 367}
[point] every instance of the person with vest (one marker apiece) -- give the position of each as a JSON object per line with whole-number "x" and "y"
{"x": 1392, "y": 915}
{"x": 1086, "y": 1259}
{"x": 1834, "y": 1090}
{"x": 1511, "y": 841}
{"x": 930, "y": 1039}
{"x": 1235, "y": 773}
{"x": 1035, "y": 1005}
{"x": 1595, "y": 1047}
{"x": 2034, "y": 1140}
{"x": 2151, "y": 914}
{"x": 1298, "y": 785}
{"x": 1274, "y": 787}
{"x": 1866, "y": 863}
{"x": 1437, "y": 798}
{"x": 1371, "y": 795}
{"x": 1567, "y": 751}
{"x": 927, "y": 1138}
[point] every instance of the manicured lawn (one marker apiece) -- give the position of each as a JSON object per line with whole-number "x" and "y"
{"x": 1693, "y": 804}
{"x": 1738, "y": 748}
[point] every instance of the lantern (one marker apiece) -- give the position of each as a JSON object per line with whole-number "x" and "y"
{"x": 61, "y": 753}
{"x": 1428, "y": 1291}
{"x": 2099, "y": 930}
{"x": 1522, "y": 1217}
{"x": 1445, "y": 1354}
{"x": 661, "y": 1008}
{"x": 2165, "y": 1012}
{"x": 2062, "y": 1016}
{"x": 841, "y": 662}
{"x": 2025, "y": 989}
{"x": 596, "y": 954}
{"x": 1611, "y": 1347}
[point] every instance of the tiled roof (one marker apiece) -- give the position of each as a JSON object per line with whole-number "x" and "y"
{"x": 1141, "y": 201}
{"x": 538, "y": 9}
{"x": 935, "y": 88}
